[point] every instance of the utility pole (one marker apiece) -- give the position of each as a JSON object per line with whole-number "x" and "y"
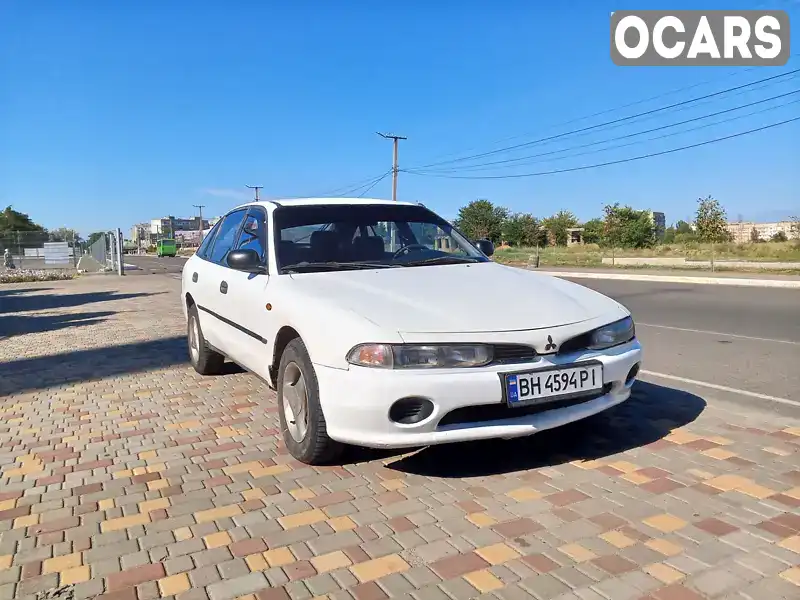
{"x": 256, "y": 188}
{"x": 200, "y": 207}
{"x": 395, "y": 169}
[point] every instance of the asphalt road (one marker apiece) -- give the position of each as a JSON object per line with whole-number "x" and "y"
{"x": 747, "y": 339}
{"x": 149, "y": 264}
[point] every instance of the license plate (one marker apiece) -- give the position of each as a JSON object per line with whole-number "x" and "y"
{"x": 545, "y": 385}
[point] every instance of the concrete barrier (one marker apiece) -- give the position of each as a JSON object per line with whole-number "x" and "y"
{"x": 698, "y": 264}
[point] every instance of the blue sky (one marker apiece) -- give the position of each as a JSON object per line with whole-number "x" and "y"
{"x": 113, "y": 113}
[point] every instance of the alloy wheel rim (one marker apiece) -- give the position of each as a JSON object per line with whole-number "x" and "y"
{"x": 194, "y": 340}
{"x": 295, "y": 402}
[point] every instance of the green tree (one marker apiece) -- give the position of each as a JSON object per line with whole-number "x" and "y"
{"x": 12, "y": 221}
{"x": 63, "y": 234}
{"x": 558, "y": 224}
{"x": 669, "y": 235}
{"x": 481, "y": 219}
{"x": 712, "y": 223}
{"x": 778, "y": 237}
{"x": 683, "y": 227}
{"x": 593, "y": 231}
{"x": 625, "y": 227}
{"x": 19, "y": 231}
{"x": 755, "y": 237}
{"x": 522, "y": 229}
{"x": 94, "y": 236}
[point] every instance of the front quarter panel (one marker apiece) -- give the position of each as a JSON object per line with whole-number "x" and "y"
{"x": 328, "y": 330}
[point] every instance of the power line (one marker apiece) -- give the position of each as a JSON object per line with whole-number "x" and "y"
{"x": 356, "y": 185}
{"x": 612, "y": 122}
{"x": 377, "y": 181}
{"x": 736, "y": 71}
{"x": 666, "y": 135}
{"x": 613, "y": 162}
{"x": 367, "y": 183}
{"x": 608, "y": 110}
{"x": 525, "y": 159}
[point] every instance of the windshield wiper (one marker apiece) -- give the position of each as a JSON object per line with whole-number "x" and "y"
{"x": 442, "y": 260}
{"x": 334, "y": 266}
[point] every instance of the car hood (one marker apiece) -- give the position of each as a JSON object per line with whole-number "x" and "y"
{"x": 469, "y": 298}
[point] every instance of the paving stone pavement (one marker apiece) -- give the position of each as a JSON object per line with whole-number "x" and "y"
{"x": 124, "y": 475}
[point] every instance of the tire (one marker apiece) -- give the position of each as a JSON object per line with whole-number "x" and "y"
{"x": 313, "y": 447}
{"x": 204, "y": 360}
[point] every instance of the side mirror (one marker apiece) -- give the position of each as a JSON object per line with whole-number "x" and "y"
{"x": 245, "y": 260}
{"x": 485, "y": 246}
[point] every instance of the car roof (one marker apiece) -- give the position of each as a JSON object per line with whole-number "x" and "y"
{"x": 326, "y": 201}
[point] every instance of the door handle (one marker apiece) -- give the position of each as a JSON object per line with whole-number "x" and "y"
{"x": 194, "y": 277}
{"x": 223, "y": 287}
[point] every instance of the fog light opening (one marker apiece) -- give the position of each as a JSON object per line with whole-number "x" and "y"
{"x": 632, "y": 374}
{"x": 410, "y": 410}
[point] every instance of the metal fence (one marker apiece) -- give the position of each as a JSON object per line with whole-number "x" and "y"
{"x": 104, "y": 253}
{"x": 36, "y": 250}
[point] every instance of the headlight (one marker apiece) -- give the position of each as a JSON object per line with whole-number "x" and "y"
{"x": 406, "y": 356}
{"x": 616, "y": 333}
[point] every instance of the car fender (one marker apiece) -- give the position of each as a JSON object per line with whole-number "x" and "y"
{"x": 329, "y": 331}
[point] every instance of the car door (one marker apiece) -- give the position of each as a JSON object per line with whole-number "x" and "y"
{"x": 217, "y": 304}
{"x": 247, "y": 337}
{"x": 195, "y": 281}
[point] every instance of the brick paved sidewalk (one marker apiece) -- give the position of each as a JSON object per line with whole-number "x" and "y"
{"x": 125, "y": 475}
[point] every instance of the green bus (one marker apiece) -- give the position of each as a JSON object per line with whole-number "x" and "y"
{"x": 166, "y": 248}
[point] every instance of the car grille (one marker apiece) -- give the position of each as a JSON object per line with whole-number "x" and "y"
{"x": 505, "y": 354}
{"x": 500, "y": 411}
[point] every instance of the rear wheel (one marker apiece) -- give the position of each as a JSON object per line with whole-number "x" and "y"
{"x": 204, "y": 360}
{"x": 302, "y": 422}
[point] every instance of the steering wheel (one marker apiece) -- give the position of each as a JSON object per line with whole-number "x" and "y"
{"x": 409, "y": 248}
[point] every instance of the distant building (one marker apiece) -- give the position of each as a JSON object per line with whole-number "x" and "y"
{"x": 659, "y": 221}
{"x": 140, "y": 234}
{"x": 575, "y": 236}
{"x": 171, "y": 226}
{"x": 742, "y": 231}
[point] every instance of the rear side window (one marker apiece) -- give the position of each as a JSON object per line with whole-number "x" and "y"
{"x": 226, "y": 236}
{"x": 202, "y": 251}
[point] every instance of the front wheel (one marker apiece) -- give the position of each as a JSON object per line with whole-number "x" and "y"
{"x": 302, "y": 421}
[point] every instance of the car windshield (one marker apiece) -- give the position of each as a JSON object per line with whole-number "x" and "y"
{"x": 352, "y": 236}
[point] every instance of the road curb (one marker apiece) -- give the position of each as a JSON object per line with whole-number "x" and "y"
{"x": 768, "y": 283}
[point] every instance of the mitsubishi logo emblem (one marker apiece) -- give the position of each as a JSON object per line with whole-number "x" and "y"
{"x": 550, "y": 345}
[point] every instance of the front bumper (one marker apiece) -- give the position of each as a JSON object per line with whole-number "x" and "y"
{"x": 356, "y": 401}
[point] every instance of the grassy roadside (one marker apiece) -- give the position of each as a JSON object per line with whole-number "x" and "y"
{"x": 591, "y": 255}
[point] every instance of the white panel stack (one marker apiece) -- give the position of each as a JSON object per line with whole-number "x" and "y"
{"x": 56, "y": 253}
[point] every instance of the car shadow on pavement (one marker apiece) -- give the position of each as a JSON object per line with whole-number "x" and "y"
{"x": 34, "y": 302}
{"x": 41, "y": 372}
{"x": 14, "y": 325}
{"x": 651, "y": 413}
{"x": 22, "y": 290}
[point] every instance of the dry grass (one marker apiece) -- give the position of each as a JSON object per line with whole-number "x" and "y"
{"x": 592, "y": 254}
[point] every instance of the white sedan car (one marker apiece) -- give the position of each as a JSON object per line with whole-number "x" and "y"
{"x": 380, "y": 325}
